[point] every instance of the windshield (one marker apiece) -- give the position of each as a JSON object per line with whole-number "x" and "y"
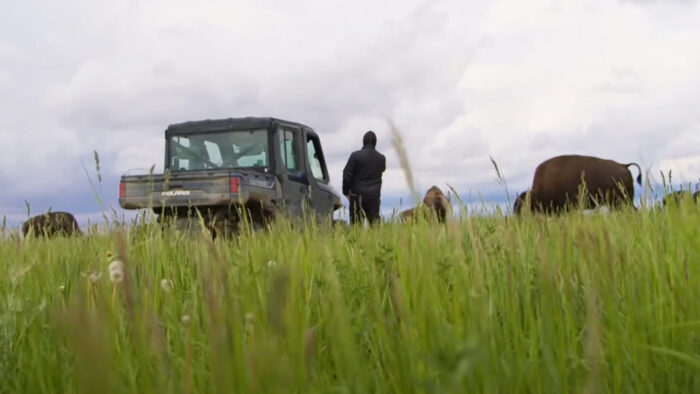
{"x": 228, "y": 149}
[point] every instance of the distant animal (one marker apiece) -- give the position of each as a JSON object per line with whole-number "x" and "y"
{"x": 339, "y": 223}
{"x": 678, "y": 196}
{"x": 51, "y": 224}
{"x": 434, "y": 203}
{"x": 559, "y": 181}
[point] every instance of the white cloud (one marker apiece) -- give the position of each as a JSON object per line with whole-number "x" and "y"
{"x": 518, "y": 81}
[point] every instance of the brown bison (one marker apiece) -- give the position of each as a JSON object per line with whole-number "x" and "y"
{"x": 435, "y": 203}
{"x": 677, "y": 197}
{"x": 559, "y": 181}
{"x": 51, "y": 224}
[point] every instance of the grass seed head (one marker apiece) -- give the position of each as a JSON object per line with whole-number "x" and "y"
{"x": 93, "y": 276}
{"x": 116, "y": 276}
{"x": 249, "y": 319}
{"x": 310, "y": 345}
{"x": 166, "y": 285}
{"x": 116, "y": 265}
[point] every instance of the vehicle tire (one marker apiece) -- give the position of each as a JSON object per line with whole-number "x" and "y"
{"x": 257, "y": 226}
{"x": 223, "y": 225}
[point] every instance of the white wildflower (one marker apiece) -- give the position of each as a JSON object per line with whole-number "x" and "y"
{"x": 116, "y": 265}
{"x": 185, "y": 320}
{"x": 116, "y": 271}
{"x": 166, "y": 285}
{"x": 271, "y": 264}
{"x": 116, "y": 276}
{"x": 94, "y": 276}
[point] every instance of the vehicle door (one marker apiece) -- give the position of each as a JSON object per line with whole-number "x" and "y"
{"x": 294, "y": 181}
{"x": 321, "y": 192}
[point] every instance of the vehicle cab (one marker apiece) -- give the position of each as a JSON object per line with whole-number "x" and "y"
{"x": 288, "y": 153}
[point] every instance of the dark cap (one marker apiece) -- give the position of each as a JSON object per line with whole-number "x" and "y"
{"x": 369, "y": 139}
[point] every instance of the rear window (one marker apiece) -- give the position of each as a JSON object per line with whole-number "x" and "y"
{"x": 229, "y": 149}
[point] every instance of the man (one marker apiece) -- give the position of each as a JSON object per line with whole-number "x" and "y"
{"x": 362, "y": 180}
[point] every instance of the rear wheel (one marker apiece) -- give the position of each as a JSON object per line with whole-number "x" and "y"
{"x": 253, "y": 222}
{"x": 223, "y": 224}
{"x": 257, "y": 217}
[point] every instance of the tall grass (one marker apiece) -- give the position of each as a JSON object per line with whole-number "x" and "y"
{"x": 568, "y": 304}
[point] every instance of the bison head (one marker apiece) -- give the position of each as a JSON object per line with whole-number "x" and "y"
{"x": 436, "y": 201}
{"x": 434, "y": 204}
{"x": 520, "y": 202}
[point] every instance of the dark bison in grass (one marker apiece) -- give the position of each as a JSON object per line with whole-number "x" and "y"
{"x": 435, "y": 204}
{"x": 51, "y": 224}
{"x": 677, "y": 197}
{"x": 559, "y": 180}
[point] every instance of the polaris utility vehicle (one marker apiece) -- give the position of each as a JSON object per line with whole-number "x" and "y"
{"x": 230, "y": 170}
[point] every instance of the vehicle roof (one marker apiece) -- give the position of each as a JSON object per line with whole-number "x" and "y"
{"x": 209, "y": 125}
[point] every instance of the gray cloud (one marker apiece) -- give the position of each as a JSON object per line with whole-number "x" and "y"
{"x": 661, "y": 1}
{"x": 518, "y": 82}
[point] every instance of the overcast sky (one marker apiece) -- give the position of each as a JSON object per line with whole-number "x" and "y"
{"x": 517, "y": 80}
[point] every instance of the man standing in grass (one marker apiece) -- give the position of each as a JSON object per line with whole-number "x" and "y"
{"x": 362, "y": 180}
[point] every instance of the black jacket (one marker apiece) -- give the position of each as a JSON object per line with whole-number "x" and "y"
{"x": 363, "y": 172}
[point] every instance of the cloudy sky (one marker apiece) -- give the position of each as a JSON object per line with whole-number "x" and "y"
{"x": 517, "y": 80}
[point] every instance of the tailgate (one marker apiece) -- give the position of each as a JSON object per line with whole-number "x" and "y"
{"x": 194, "y": 188}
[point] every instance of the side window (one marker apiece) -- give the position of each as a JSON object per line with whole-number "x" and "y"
{"x": 287, "y": 142}
{"x": 214, "y": 153}
{"x": 179, "y": 161}
{"x": 315, "y": 156}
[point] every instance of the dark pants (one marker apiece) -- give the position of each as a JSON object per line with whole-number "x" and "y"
{"x": 362, "y": 207}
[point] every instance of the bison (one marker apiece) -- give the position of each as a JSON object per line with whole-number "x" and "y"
{"x": 434, "y": 203}
{"x": 51, "y": 224}
{"x": 675, "y": 198}
{"x": 559, "y": 182}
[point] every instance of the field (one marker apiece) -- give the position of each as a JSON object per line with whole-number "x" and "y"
{"x": 570, "y": 304}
